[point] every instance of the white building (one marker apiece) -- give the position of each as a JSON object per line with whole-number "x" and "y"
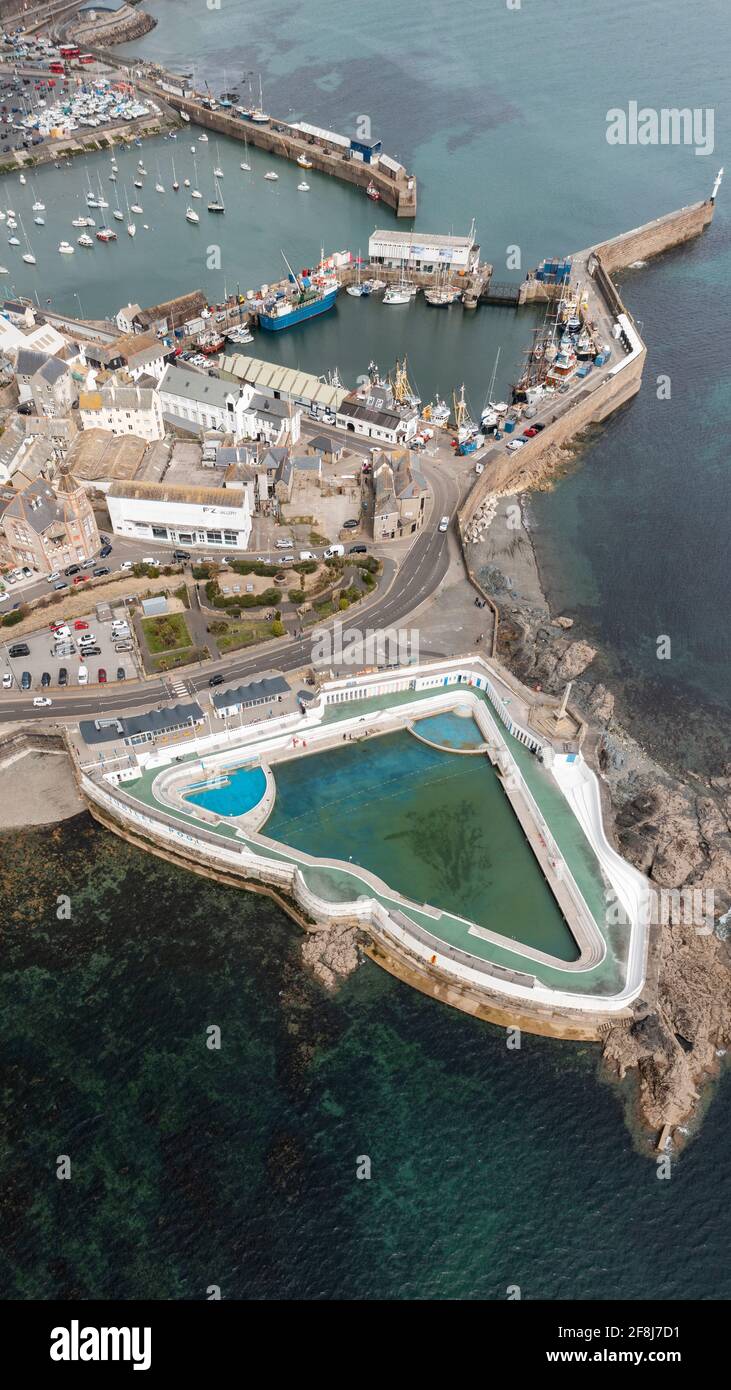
{"x": 190, "y": 399}
{"x": 187, "y": 516}
{"x": 423, "y": 251}
{"x": 374, "y": 414}
{"x": 123, "y": 410}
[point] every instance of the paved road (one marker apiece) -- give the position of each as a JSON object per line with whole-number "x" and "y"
{"x": 419, "y": 575}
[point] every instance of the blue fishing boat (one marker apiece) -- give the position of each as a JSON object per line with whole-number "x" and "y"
{"x": 315, "y": 294}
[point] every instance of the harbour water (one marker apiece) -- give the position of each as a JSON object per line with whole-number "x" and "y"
{"x": 490, "y": 1167}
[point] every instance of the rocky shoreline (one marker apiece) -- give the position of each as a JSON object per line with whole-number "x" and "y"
{"x": 677, "y": 833}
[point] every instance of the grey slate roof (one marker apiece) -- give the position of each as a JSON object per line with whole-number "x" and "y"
{"x": 52, "y": 370}
{"x": 28, "y": 362}
{"x": 265, "y": 689}
{"x": 207, "y": 390}
{"x": 157, "y": 721}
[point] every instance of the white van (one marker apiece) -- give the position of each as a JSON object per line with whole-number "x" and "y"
{"x": 334, "y": 550}
{"x": 83, "y": 675}
{"x": 307, "y": 555}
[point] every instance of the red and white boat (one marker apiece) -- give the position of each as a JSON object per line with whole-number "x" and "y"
{"x": 106, "y": 234}
{"x": 373, "y": 193}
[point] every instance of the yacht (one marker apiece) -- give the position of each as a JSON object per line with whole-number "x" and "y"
{"x": 192, "y": 215}
{"x": 84, "y": 240}
{"x": 112, "y": 177}
{"x": 106, "y": 234}
{"x": 304, "y": 162}
{"x": 29, "y": 258}
{"x": 137, "y": 208}
{"x": 13, "y": 241}
{"x": 159, "y": 188}
{"x": 270, "y": 174}
{"x": 131, "y": 229}
{"x": 23, "y": 179}
{"x": 118, "y": 215}
{"x": 38, "y": 206}
{"x": 217, "y": 204}
{"x": 246, "y": 167}
{"x": 186, "y": 183}
{"x": 138, "y": 184}
{"x": 203, "y": 138}
{"x": 397, "y": 294}
{"x": 303, "y": 187}
{"x": 12, "y": 224}
{"x": 66, "y": 249}
{"x": 39, "y": 221}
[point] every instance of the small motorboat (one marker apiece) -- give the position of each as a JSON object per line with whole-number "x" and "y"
{"x": 303, "y": 187}
{"x": 270, "y": 174}
{"x": 84, "y": 240}
{"x": 192, "y": 215}
{"x": 66, "y": 249}
{"x": 246, "y": 167}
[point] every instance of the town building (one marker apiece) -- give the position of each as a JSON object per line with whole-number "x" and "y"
{"x": 374, "y": 413}
{"x": 53, "y": 388}
{"x": 135, "y": 354}
{"x": 154, "y": 726}
{"x": 185, "y": 515}
{"x": 51, "y": 525}
{"x": 194, "y": 402}
{"x": 123, "y": 410}
{"x": 400, "y": 494}
{"x": 269, "y": 691}
{"x": 321, "y": 398}
{"x": 423, "y": 252}
{"x": 186, "y": 313}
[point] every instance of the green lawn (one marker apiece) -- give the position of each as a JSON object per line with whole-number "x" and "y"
{"x": 242, "y": 634}
{"x": 167, "y": 633}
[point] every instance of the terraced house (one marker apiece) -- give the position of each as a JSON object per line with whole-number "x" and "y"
{"x": 50, "y": 525}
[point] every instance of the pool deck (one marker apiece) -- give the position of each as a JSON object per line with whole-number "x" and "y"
{"x": 437, "y": 944}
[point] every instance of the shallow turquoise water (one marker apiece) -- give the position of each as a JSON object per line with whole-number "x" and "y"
{"x": 450, "y": 730}
{"x": 434, "y": 826}
{"x": 243, "y": 789}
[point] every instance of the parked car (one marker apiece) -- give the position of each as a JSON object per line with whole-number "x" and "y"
{"x": 102, "y": 676}
{"x": 103, "y": 569}
{"x": 127, "y": 565}
{"x": 19, "y": 649}
{"x": 181, "y": 555}
{"x": 105, "y": 550}
{"x": 358, "y": 550}
{"x": 90, "y": 651}
{"x": 123, "y": 647}
{"x": 61, "y": 584}
{"x": 121, "y": 673}
{"x": 350, "y": 525}
{"x": 51, "y": 578}
{"x": 148, "y": 560}
{"x": 46, "y": 679}
{"x": 530, "y": 433}
{"x": 87, "y": 636}
{"x": 72, "y": 569}
{"x": 81, "y": 626}
{"x": 7, "y": 681}
{"x": 63, "y": 676}
{"x": 25, "y": 681}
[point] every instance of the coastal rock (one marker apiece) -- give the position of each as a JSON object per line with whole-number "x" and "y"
{"x": 601, "y": 704}
{"x": 575, "y": 659}
{"x": 563, "y": 622}
{"x": 673, "y": 1045}
{"x": 331, "y": 953}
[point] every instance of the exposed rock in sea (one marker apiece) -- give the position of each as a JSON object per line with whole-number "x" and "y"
{"x": 601, "y": 704}
{"x": 563, "y": 622}
{"x": 331, "y": 953}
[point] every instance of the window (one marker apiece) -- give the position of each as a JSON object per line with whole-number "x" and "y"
{"x": 160, "y": 533}
{"x": 231, "y": 537}
{"x": 214, "y": 537}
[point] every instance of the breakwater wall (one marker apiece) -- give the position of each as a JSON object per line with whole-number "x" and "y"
{"x": 642, "y": 243}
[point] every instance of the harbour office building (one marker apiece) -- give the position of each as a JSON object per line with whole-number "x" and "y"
{"x": 426, "y": 253}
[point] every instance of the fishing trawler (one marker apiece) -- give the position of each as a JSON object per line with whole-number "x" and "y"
{"x": 316, "y": 292}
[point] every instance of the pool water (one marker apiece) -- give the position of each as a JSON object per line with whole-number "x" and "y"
{"x": 242, "y": 789}
{"x": 436, "y": 827}
{"x": 450, "y": 730}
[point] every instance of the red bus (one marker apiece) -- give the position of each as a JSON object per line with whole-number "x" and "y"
{"x": 86, "y": 58}
{"x": 57, "y": 68}
{"x": 70, "y": 51}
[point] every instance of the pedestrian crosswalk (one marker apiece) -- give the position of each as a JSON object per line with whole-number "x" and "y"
{"x": 179, "y": 688}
